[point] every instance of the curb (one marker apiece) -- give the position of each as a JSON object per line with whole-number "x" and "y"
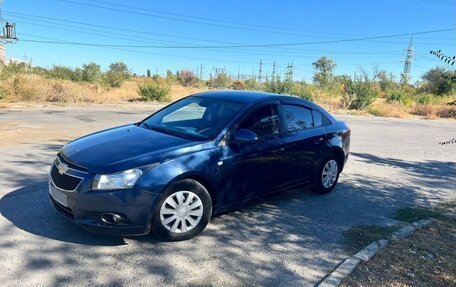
{"x": 344, "y": 269}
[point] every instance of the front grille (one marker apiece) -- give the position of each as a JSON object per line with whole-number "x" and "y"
{"x": 62, "y": 209}
{"x": 64, "y": 181}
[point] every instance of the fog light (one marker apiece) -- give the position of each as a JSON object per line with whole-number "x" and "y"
{"x": 111, "y": 218}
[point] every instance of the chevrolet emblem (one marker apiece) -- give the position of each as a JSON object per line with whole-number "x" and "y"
{"x": 62, "y": 168}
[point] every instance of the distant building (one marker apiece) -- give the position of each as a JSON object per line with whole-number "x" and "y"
{"x": 27, "y": 64}
{"x": 2, "y": 55}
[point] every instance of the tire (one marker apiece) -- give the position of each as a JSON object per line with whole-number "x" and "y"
{"x": 325, "y": 184}
{"x": 183, "y": 211}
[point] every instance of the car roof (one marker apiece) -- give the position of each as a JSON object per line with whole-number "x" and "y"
{"x": 253, "y": 97}
{"x": 243, "y": 96}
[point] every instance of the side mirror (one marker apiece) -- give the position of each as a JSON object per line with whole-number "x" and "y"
{"x": 245, "y": 136}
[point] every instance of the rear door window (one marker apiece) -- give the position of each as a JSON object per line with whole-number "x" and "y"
{"x": 297, "y": 117}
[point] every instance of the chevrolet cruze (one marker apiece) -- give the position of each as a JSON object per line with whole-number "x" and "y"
{"x": 202, "y": 155}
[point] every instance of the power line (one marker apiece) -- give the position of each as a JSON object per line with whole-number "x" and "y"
{"x": 89, "y": 26}
{"x": 29, "y": 16}
{"x": 241, "y": 45}
{"x": 383, "y": 3}
{"x": 143, "y": 12}
{"x": 288, "y": 55}
{"x": 204, "y": 18}
{"x": 81, "y": 28}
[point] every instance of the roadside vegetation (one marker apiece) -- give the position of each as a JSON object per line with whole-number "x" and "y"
{"x": 366, "y": 92}
{"x": 425, "y": 258}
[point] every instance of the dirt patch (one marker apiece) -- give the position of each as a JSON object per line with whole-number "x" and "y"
{"x": 426, "y": 258}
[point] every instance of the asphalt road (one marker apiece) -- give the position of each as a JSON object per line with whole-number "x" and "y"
{"x": 289, "y": 239}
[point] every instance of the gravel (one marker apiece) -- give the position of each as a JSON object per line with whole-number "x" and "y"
{"x": 293, "y": 238}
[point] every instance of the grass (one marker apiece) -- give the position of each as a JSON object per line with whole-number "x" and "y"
{"x": 414, "y": 214}
{"x": 426, "y": 258}
{"x": 33, "y": 88}
{"x": 38, "y": 89}
{"x": 360, "y": 236}
{"x": 382, "y": 108}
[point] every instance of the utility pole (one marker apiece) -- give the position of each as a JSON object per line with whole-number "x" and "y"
{"x": 9, "y": 30}
{"x": 201, "y": 72}
{"x": 405, "y": 76}
{"x": 273, "y": 72}
{"x": 289, "y": 73}
{"x": 260, "y": 71}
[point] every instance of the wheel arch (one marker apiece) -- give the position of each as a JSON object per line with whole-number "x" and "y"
{"x": 339, "y": 153}
{"x": 201, "y": 179}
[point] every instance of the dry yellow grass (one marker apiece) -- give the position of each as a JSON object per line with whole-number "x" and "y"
{"x": 178, "y": 91}
{"x": 35, "y": 88}
{"x": 382, "y": 108}
{"x": 31, "y": 90}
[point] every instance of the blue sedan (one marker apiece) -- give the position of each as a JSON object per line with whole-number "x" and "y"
{"x": 203, "y": 155}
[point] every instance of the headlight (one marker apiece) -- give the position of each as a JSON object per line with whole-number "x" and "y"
{"x": 121, "y": 180}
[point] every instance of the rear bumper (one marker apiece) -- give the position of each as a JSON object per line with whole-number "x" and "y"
{"x": 134, "y": 209}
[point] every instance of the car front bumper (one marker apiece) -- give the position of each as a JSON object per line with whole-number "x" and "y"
{"x": 133, "y": 208}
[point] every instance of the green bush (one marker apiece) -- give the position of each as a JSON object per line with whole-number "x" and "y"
{"x": 361, "y": 91}
{"x": 439, "y": 81}
{"x": 61, "y": 72}
{"x": 302, "y": 91}
{"x": 91, "y": 72}
{"x": 114, "y": 79}
{"x": 220, "y": 81}
{"x": 399, "y": 97}
{"x": 155, "y": 90}
{"x": 252, "y": 85}
{"x": 424, "y": 99}
{"x": 278, "y": 86}
{"x": 117, "y": 73}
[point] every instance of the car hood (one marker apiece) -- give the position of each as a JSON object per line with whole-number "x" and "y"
{"x": 125, "y": 147}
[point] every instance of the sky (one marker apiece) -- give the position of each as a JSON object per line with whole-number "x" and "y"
{"x": 193, "y": 24}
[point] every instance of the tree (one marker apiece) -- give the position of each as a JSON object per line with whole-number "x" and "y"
{"x": 360, "y": 92}
{"x": 220, "y": 80}
{"x": 439, "y": 81}
{"x": 324, "y": 68}
{"x": 61, "y": 72}
{"x": 277, "y": 86}
{"x": 119, "y": 67}
{"x": 91, "y": 72}
{"x": 148, "y": 73}
{"x": 118, "y": 72}
{"x": 187, "y": 78}
{"x": 386, "y": 81}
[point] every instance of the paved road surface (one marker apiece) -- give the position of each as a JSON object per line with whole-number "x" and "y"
{"x": 288, "y": 239}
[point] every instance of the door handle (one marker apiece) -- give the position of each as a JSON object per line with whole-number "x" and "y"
{"x": 277, "y": 151}
{"x": 318, "y": 140}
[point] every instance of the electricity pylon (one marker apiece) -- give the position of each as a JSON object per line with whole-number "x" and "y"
{"x": 9, "y": 30}
{"x": 405, "y": 76}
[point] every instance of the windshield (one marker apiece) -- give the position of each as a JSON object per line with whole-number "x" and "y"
{"x": 193, "y": 117}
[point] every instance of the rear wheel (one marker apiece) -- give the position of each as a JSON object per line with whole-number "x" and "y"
{"x": 327, "y": 175}
{"x": 183, "y": 212}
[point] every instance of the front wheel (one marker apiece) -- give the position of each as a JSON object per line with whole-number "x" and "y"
{"x": 327, "y": 175}
{"x": 183, "y": 212}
